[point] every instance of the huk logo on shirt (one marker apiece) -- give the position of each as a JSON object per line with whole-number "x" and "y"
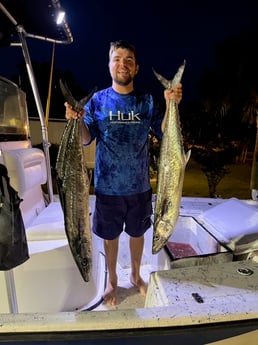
{"x": 120, "y": 117}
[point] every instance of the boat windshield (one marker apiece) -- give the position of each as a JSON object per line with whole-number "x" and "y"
{"x": 13, "y": 112}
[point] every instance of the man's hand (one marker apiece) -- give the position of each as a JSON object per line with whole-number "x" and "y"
{"x": 72, "y": 114}
{"x": 175, "y": 93}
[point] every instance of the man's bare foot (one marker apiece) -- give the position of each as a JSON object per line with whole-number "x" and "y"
{"x": 110, "y": 294}
{"x": 140, "y": 284}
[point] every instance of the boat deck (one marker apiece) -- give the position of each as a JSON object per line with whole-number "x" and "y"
{"x": 128, "y": 295}
{"x": 206, "y": 294}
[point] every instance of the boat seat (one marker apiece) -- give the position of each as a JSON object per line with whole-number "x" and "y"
{"x": 48, "y": 225}
{"x": 27, "y": 172}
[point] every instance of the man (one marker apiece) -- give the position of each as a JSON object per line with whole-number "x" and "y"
{"x": 120, "y": 119}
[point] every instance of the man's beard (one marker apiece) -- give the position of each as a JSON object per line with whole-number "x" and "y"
{"x": 123, "y": 81}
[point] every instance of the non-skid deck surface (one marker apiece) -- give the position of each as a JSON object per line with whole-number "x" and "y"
{"x": 128, "y": 294}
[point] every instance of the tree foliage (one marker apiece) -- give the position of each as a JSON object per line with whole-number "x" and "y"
{"x": 222, "y": 122}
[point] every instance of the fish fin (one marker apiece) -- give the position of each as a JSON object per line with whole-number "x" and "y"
{"x": 187, "y": 156}
{"x": 164, "y": 207}
{"x": 89, "y": 172}
{"x": 77, "y": 105}
{"x": 85, "y": 99}
{"x": 168, "y": 84}
{"x": 66, "y": 92}
{"x": 164, "y": 81}
{"x": 178, "y": 76}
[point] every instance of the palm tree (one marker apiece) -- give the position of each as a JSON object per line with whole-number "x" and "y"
{"x": 210, "y": 149}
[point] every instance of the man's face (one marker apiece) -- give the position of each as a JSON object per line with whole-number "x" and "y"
{"x": 122, "y": 66}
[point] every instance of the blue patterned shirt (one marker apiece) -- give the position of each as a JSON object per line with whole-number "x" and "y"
{"x": 121, "y": 123}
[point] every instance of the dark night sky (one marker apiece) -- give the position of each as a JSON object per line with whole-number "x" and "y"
{"x": 165, "y": 32}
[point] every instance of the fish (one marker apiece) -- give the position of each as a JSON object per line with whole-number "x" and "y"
{"x": 73, "y": 184}
{"x": 76, "y": 105}
{"x": 171, "y": 170}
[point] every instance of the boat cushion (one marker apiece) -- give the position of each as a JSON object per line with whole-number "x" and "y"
{"x": 26, "y": 168}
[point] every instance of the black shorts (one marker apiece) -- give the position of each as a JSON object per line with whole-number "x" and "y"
{"x": 115, "y": 213}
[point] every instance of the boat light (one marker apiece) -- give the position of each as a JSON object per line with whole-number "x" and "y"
{"x": 60, "y": 16}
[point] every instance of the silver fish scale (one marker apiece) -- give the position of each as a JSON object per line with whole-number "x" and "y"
{"x": 171, "y": 170}
{"x": 73, "y": 187}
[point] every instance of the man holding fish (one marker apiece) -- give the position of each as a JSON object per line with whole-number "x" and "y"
{"x": 119, "y": 118}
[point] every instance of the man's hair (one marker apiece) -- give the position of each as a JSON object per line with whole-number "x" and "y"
{"x": 122, "y": 44}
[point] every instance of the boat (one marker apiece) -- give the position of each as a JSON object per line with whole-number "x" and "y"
{"x": 202, "y": 286}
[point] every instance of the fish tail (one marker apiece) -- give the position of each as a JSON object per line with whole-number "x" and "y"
{"x": 169, "y": 84}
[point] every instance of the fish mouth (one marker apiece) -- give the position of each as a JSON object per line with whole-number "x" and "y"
{"x": 157, "y": 248}
{"x": 158, "y": 240}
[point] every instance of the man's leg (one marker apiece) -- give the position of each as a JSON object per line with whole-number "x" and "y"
{"x": 111, "y": 251}
{"x": 136, "y": 249}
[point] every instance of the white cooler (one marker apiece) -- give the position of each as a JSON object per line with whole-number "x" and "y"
{"x": 215, "y": 235}
{"x": 213, "y": 241}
